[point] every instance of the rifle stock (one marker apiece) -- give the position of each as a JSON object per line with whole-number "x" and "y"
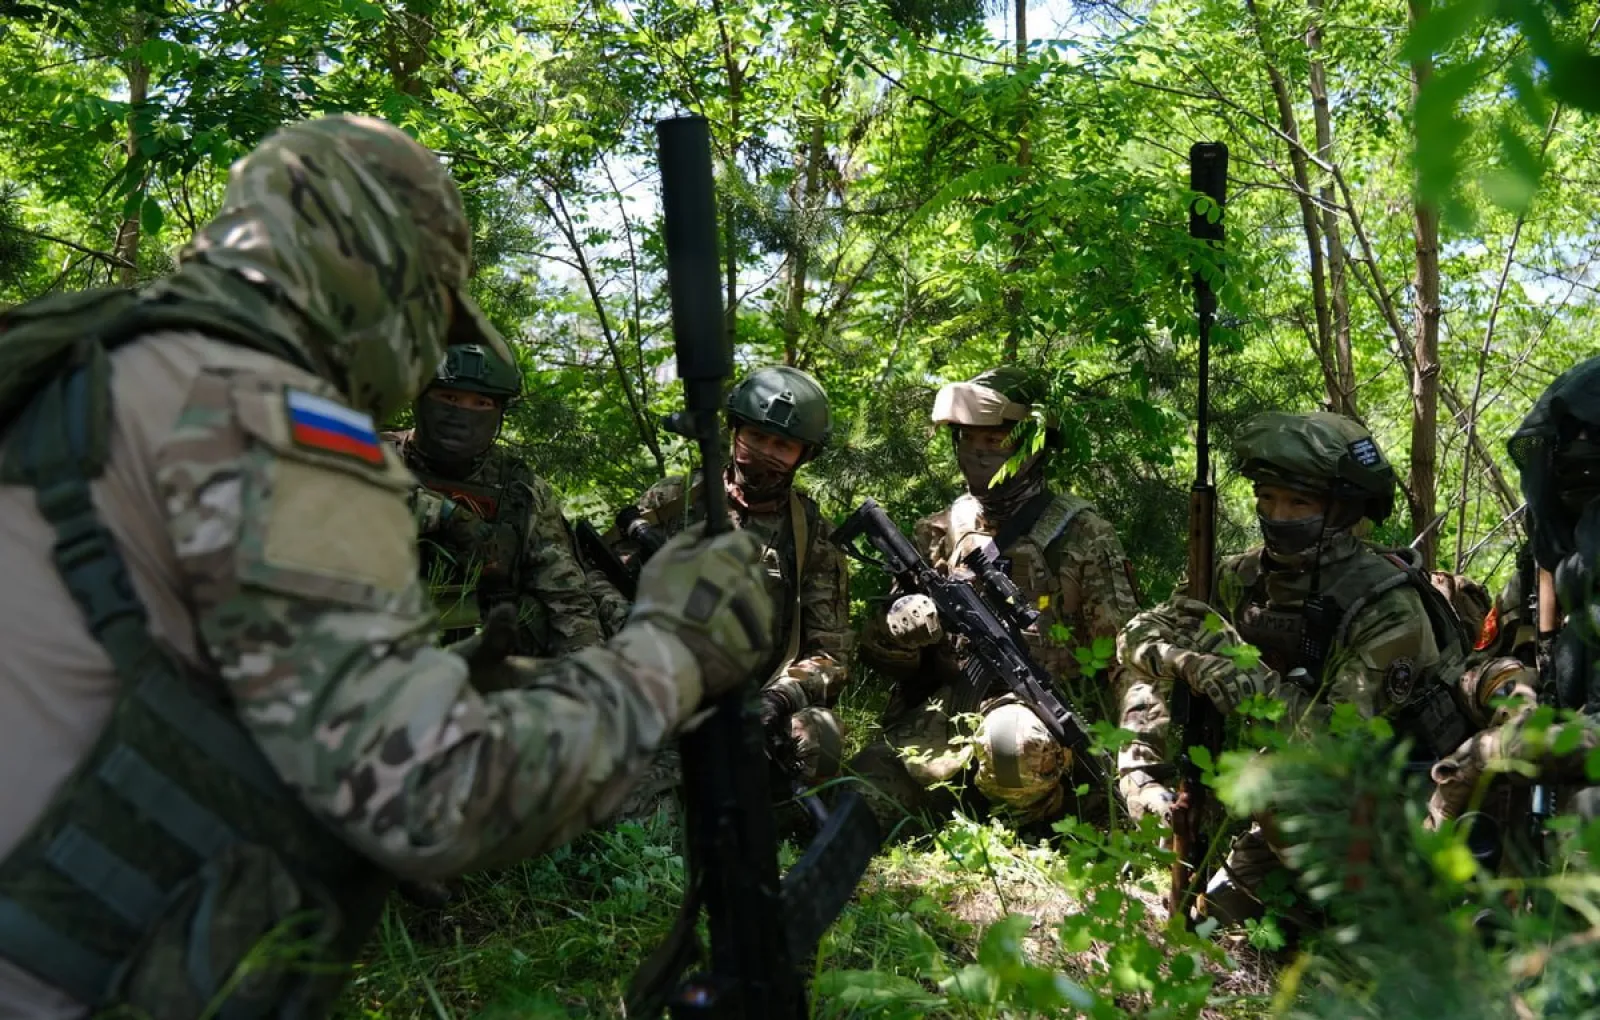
{"x": 1195, "y": 719}
{"x": 760, "y": 936}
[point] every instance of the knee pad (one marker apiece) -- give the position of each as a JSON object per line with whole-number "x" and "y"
{"x": 1019, "y": 764}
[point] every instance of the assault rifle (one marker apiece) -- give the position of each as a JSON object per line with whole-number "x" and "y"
{"x": 763, "y": 930}
{"x": 605, "y": 559}
{"x": 1195, "y": 720}
{"x": 1547, "y": 622}
{"x": 990, "y": 614}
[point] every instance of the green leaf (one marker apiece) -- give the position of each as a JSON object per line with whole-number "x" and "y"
{"x": 1201, "y": 758}
{"x": 1455, "y": 862}
{"x": 150, "y": 217}
{"x": 1591, "y": 765}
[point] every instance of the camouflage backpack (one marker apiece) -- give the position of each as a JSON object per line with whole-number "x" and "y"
{"x": 174, "y": 852}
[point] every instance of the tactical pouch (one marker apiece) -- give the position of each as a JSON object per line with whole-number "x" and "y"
{"x": 145, "y": 881}
{"x": 239, "y": 939}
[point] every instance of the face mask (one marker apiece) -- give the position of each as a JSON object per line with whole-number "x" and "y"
{"x": 759, "y": 475}
{"x": 454, "y": 433}
{"x": 1000, "y": 501}
{"x": 1290, "y": 540}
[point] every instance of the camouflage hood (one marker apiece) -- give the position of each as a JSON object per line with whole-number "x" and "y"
{"x": 353, "y": 242}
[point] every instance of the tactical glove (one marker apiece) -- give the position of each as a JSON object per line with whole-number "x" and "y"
{"x": 711, "y": 595}
{"x": 1456, "y": 777}
{"x": 914, "y": 621}
{"x": 486, "y": 651}
{"x": 775, "y": 709}
{"x": 460, "y": 527}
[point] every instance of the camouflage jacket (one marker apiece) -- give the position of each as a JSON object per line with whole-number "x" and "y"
{"x": 821, "y": 665}
{"x": 1077, "y": 575}
{"x": 553, "y": 591}
{"x": 1377, "y": 657}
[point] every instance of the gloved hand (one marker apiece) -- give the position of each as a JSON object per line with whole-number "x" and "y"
{"x": 1172, "y": 642}
{"x": 459, "y": 526}
{"x": 775, "y": 710}
{"x": 1456, "y": 776}
{"x": 914, "y": 621}
{"x": 712, "y": 596}
{"x": 486, "y": 651}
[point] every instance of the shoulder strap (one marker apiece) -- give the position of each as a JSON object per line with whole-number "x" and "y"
{"x": 1021, "y": 522}
{"x": 1366, "y": 586}
{"x": 799, "y": 522}
{"x": 1057, "y": 517}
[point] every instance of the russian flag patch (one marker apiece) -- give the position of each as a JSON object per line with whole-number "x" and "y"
{"x": 318, "y": 423}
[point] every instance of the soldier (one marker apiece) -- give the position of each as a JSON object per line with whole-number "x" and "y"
{"x": 1336, "y": 622}
{"x": 493, "y": 531}
{"x": 1063, "y": 556}
{"x": 779, "y": 419}
{"x": 224, "y": 722}
{"x": 1557, "y": 451}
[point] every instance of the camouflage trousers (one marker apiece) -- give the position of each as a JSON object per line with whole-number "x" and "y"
{"x": 1020, "y": 769}
{"x": 811, "y": 758}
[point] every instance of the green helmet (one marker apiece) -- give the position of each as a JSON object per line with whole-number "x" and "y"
{"x": 1320, "y": 452}
{"x": 783, "y": 400}
{"x": 478, "y": 369}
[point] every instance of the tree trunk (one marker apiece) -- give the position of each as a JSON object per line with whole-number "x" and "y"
{"x": 1289, "y": 125}
{"x": 808, "y": 207}
{"x": 407, "y": 36}
{"x": 1425, "y": 327}
{"x": 730, "y": 254}
{"x": 1342, "y": 394}
{"x": 1013, "y": 293}
{"x": 127, "y": 243}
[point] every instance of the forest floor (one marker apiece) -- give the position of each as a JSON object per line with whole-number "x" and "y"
{"x": 560, "y": 935}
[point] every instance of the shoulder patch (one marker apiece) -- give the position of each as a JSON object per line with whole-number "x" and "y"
{"x": 1398, "y": 680}
{"x": 317, "y": 423}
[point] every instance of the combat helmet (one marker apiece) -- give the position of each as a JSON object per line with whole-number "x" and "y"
{"x": 1000, "y": 396}
{"x": 477, "y": 368}
{"x": 1557, "y": 452}
{"x": 783, "y": 400}
{"x": 1321, "y": 452}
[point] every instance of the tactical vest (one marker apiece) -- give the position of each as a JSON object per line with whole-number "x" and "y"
{"x": 1028, "y": 546}
{"x": 462, "y": 591}
{"x": 804, "y": 518}
{"x": 174, "y": 853}
{"x": 1421, "y": 702}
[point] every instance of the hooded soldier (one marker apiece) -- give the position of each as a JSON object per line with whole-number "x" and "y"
{"x": 779, "y": 420}
{"x": 1066, "y": 560}
{"x": 1336, "y": 622}
{"x": 225, "y": 724}
{"x": 493, "y": 532}
{"x": 1557, "y": 451}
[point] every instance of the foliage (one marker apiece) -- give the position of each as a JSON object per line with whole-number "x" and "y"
{"x": 908, "y": 199}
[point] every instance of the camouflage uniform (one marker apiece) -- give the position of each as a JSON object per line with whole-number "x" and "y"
{"x": 554, "y": 594}
{"x": 1069, "y": 563}
{"x": 1383, "y": 651}
{"x": 259, "y": 731}
{"x": 801, "y": 689}
{"x": 1557, "y": 449}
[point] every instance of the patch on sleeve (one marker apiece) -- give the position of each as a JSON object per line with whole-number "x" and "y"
{"x": 317, "y": 423}
{"x": 1398, "y": 680}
